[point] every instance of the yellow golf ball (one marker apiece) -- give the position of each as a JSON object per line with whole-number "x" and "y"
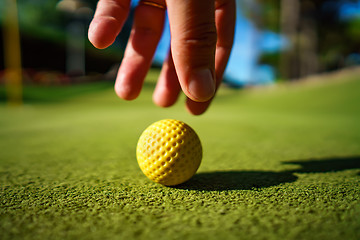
{"x": 169, "y": 152}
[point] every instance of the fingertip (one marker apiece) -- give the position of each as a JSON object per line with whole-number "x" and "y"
{"x": 162, "y": 102}
{"x": 164, "y": 98}
{"x": 125, "y": 91}
{"x": 103, "y": 31}
{"x": 201, "y": 85}
{"x": 158, "y": 98}
{"x": 168, "y": 88}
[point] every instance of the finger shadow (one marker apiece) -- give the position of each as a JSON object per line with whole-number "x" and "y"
{"x": 334, "y": 164}
{"x": 236, "y": 180}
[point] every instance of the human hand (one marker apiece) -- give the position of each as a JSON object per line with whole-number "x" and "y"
{"x": 202, "y": 34}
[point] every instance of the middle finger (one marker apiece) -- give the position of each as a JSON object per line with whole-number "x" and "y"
{"x": 145, "y": 35}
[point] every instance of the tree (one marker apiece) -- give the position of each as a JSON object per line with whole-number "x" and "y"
{"x": 319, "y": 40}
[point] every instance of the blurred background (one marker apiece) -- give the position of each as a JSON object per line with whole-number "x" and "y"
{"x": 44, "y": 42}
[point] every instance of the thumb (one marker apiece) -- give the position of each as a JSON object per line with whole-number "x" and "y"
{"x": 193, "y": 43}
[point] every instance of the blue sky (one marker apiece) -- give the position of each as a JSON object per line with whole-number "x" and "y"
{"x": 349, "y": 10}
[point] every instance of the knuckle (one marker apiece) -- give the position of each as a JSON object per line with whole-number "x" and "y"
{"x": 201, "y": 37}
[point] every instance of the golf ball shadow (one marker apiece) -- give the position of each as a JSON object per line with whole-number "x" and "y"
{"x": 236, "y": 180}
{"x": 246, "y": 180}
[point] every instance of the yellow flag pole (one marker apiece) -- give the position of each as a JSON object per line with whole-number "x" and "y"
{"x": 12, "y": 54}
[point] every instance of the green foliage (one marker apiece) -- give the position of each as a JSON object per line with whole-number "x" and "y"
{"x": 353, "y": 29}
{"x": 41, "y": 13}
{"x": 270, "y": 14}
{"x": 333, "y": 40}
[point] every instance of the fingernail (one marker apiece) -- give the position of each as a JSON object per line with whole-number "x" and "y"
{"x": 201, "y": 85}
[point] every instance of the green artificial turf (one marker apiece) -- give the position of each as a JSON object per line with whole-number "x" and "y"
{"x": 281, "y": 163}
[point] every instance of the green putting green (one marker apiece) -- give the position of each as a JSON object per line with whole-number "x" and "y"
{"x": 279, "y": 163}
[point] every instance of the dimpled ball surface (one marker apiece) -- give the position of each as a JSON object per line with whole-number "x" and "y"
{"x": 169, "y": 152}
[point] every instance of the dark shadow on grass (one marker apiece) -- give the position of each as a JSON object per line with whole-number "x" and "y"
{"x": 327, "y": 165}
{"x": 236, "y": 180}
{"x": 246, "y": 180}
